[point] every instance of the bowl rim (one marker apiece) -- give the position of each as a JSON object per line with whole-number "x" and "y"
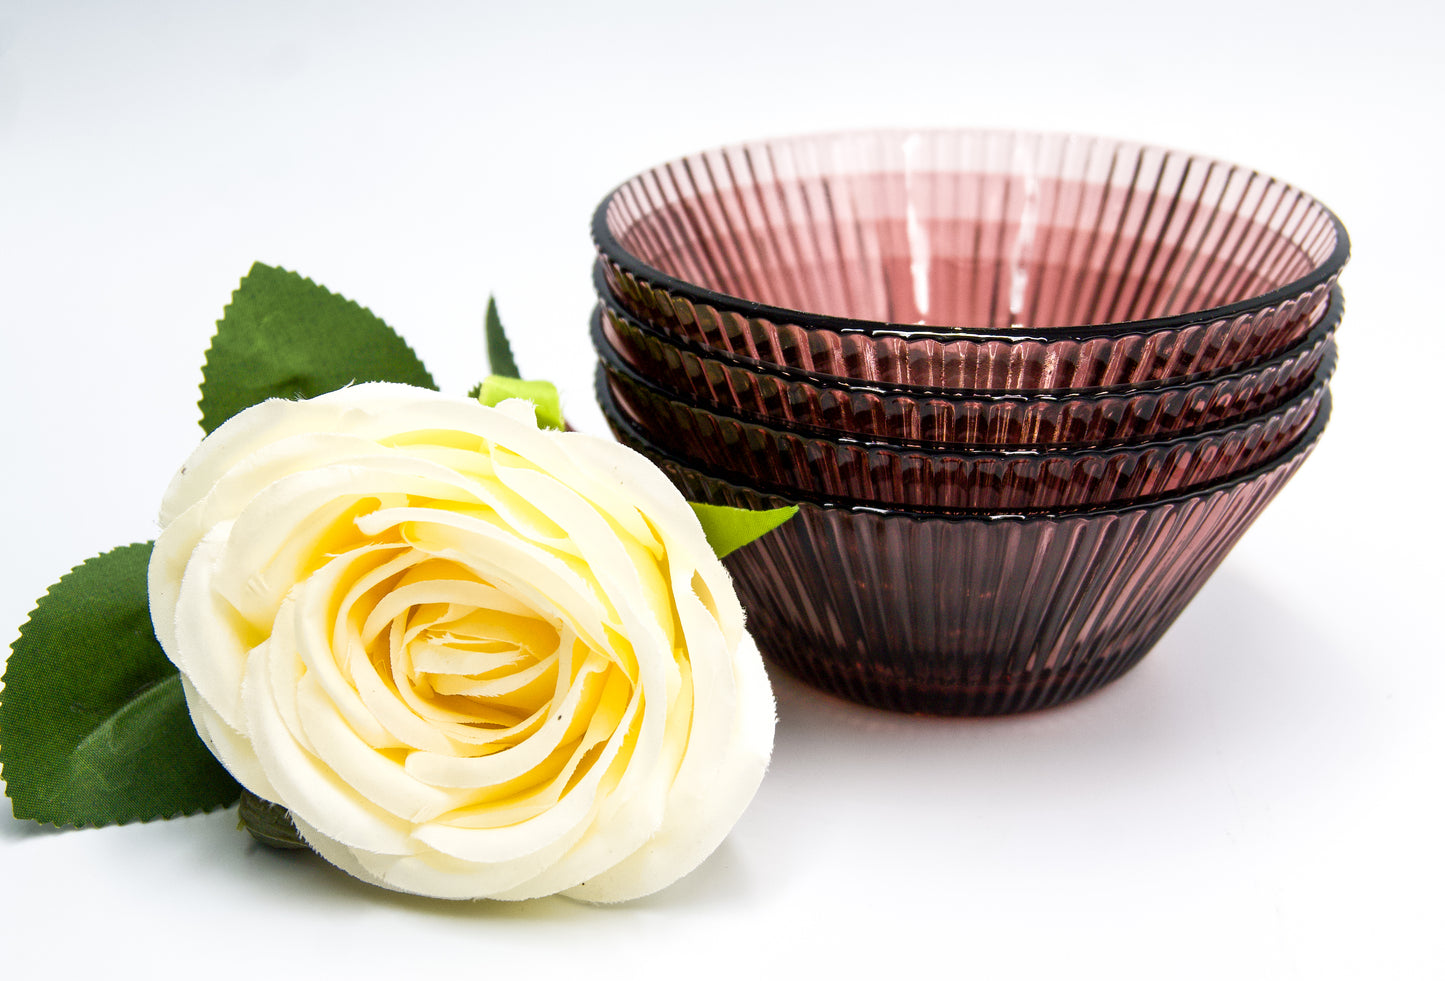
{"x": 1320, "y": 331}
{"x": 610, "y": 362}
{"x": 1301, "y": 446}
{"x": 611, "y": 249}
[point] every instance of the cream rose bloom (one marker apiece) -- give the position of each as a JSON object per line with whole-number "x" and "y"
{"x": 473, "y": 657}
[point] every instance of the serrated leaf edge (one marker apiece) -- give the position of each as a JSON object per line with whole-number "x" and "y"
{"x": 499, "y": 346}
{"x": 160, "y": 688}
{"x": 211, "y": 344}
{"x": 44, "y": 819}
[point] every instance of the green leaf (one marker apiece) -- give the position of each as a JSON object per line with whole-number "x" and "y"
{"x": 92, "y": 717}
{"x": 542, "y": 394}
{"x": 729, "y": 529}
{"x": 282, "y": 336}
{"x": 499, "y": 350}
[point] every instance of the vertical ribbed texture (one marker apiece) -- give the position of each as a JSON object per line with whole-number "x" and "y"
{"x": 1112, "y": 358}
{"x": 980, "y": 617}
{"x": 891, "y": 474}
{"x": 972, "y": 362}
{"x": 1045, "y": 419}
{"x": 950, "y": 614}
{"x": 975, "y": 231}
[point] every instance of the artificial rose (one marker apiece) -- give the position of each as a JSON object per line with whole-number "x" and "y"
{"x": 473, "y": 657}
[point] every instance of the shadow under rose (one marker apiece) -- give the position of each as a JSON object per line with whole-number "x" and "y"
{"x": 308, "y": 875}
{"x": 721, "y": 879}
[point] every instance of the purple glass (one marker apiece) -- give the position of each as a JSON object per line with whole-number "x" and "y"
{"x": 765, "y": 393}
{"x": 975, "y": 615}
{"x": 987, "y": 260}
{"x": 895, "y": 473}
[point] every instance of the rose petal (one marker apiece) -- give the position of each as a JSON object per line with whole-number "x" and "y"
{"x": 515, "y": 761}
{"x": 210, "y": 641}
{"x": 233, "y": 750}
{"x": 702, "y": 807}
{"x": 310, "y": 789}
{"x": 472, "y": 657}
{"x": 376, "y": 776}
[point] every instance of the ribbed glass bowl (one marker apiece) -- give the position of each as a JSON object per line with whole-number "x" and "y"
{"x": 975, "y": 614}
{"x": 987, "y": 260}
{"x": 765, "y": 393}
{"x": 892, "y": 473}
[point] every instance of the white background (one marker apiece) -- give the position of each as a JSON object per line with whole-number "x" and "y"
{"x": 1260, "y": 798}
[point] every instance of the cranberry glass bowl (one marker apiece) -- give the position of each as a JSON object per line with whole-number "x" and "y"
{"x": 945, "y": 475}
{"x": 988, "y": 260}
{"x": 763, "y": 392}
{"x": 959, "y": 614}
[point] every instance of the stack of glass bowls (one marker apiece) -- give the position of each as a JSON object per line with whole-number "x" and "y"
{"x": 1026, "y": 390}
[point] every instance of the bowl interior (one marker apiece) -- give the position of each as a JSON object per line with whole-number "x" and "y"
{"x": 976, "y": 230}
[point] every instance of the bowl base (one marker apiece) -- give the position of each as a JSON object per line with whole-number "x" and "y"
{"x": 879, "y": 686}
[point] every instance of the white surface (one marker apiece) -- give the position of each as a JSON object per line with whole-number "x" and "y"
{"x": 1261, "y": 798}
